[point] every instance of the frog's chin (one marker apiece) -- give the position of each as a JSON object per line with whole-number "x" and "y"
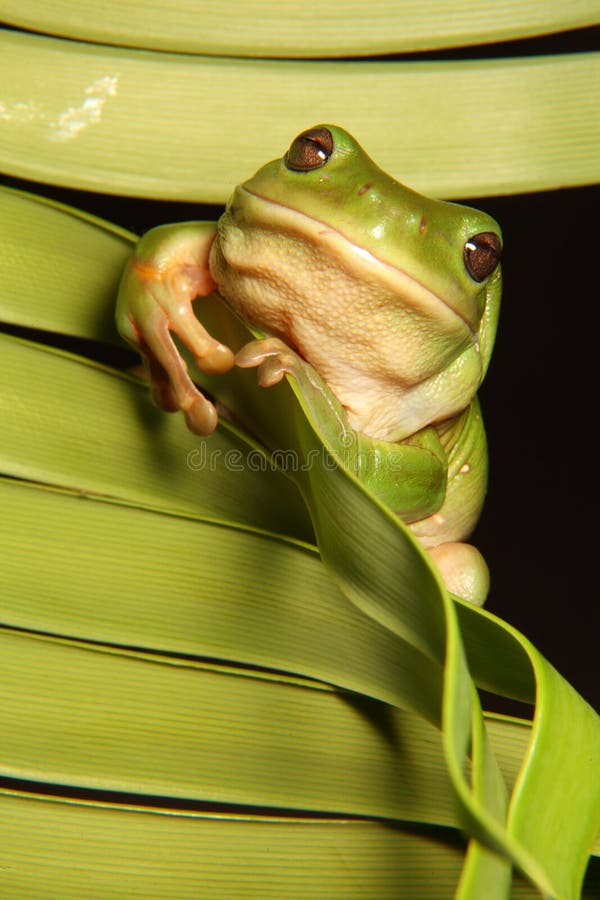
{"x": 250, "y": 207}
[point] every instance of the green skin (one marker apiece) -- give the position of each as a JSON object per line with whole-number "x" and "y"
{"x": 363, "y": 290}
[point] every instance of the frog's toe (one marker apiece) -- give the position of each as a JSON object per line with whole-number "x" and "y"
{"x": 254, "y": 353}
{"x": 200, "y": 416}
{"x": 210, "y": 355}
{"x": 217, "y": 360}
{"x": 160, "y": 385}
{"x": 172, "y": 387}
{"x": 271, "y": 357}
{"x": 271, "y": 371}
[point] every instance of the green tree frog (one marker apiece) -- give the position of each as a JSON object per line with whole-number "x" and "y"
{"x": 382, "y": 302}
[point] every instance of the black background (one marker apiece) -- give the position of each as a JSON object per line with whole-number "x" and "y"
{"x": 538, "y": 530}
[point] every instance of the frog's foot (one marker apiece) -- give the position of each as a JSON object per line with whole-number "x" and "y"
{"x": 272, "y": 358}
{"x": 463, "y": 569}
{"x": 155, "y": 303}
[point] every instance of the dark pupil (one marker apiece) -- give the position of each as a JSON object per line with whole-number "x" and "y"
{"x": 310, "y": 150}
{"x": 482, "y": 255}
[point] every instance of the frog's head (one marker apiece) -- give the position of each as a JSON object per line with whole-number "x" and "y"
{"x": 428, "y": 270}
{"x": 452, "y": 249}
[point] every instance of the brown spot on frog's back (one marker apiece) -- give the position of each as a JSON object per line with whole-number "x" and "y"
{"x": 364, "y": 188}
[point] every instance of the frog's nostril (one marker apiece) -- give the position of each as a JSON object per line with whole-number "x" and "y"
{"x": 364, "y": 188}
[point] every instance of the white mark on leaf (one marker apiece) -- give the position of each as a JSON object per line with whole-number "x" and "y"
{"x": 74, "y": 119}
{"x": 65, "y": 125}
{"x": 22, "y": 113}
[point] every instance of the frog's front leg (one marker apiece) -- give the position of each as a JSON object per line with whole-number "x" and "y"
{"x": 168, "y": 269}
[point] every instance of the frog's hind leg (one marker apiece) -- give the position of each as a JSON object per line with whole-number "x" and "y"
{"x": 463, "y": 569}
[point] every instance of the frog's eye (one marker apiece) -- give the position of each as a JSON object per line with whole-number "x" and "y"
{"x": 310, "y": 150}
{"x": 482, "y": 255}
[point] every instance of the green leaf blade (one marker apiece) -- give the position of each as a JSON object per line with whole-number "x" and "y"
{"x": 308, "y": 29}
{"x": 69, "y": 107}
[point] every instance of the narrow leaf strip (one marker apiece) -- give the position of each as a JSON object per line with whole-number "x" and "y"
{"x": 207, "y": 736}
{"x": 104, "y": 852}
{"x": 483, "y": 803}
{"x": 289, "y": 29}
{"x": 60, "y": 267}
{"x": 159, "y": 125}
{"x": 566, "y": 732}
{"x": 485, "y": 873}
{"x": 558, "y": 791}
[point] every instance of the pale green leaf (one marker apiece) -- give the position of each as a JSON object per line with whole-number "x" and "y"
{"x": 169, "y": 727}
{"x": 73, "y": 849}
{"x": 289, "y": 28}
{"x": 48, "y": 241}
{"x": 160, "y": 125}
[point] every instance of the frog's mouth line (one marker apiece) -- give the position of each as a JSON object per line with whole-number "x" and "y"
{"x": 401, "y": 282}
